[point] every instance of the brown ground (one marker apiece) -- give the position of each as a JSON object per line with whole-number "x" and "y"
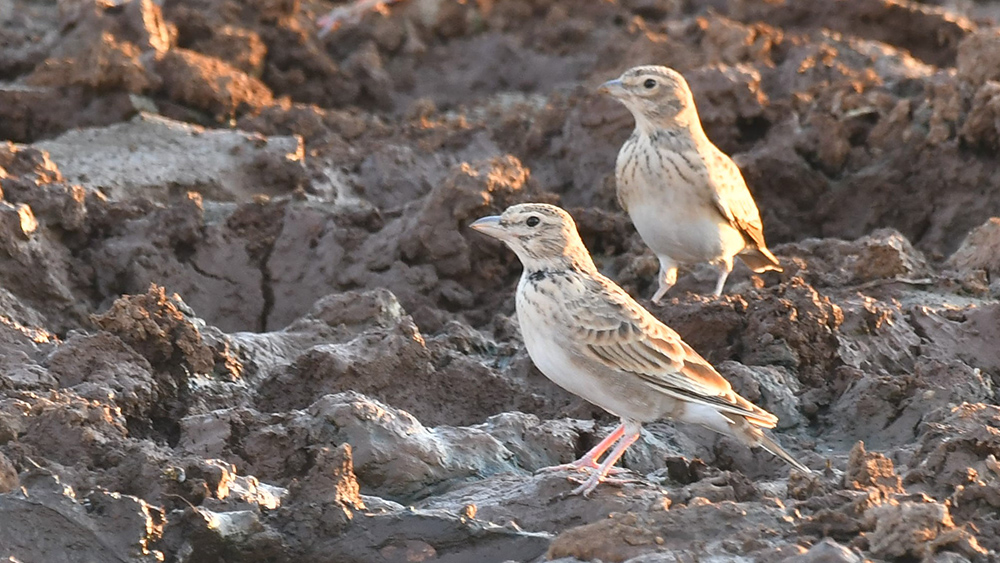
{"x": 242, "y": 317}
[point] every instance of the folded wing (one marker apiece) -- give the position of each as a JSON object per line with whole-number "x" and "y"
{"x": 618, "y": 333}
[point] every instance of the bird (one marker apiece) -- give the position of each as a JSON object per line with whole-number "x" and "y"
{"x": 591, "y": 338}
{"x": 687, "y": 199}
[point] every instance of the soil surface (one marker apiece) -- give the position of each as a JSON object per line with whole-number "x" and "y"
{"x": 242, "y": 316}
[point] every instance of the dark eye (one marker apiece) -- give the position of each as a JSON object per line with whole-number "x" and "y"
{"x": 532, "y": 221}
{"x": 649, "y": 84}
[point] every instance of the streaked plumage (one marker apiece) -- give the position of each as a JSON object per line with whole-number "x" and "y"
{"x": 687, "y": 199}
{"x": 591, "y": 338}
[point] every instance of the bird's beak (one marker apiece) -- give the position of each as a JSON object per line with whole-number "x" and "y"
{"x": 613, "y": 87}
{"x": 490, "y": 226}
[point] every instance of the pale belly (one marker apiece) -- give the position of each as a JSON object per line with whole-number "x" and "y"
{"x": 620, "y": 394}
{"x": 676, "y": 219}
{"x": 686, "y": 234}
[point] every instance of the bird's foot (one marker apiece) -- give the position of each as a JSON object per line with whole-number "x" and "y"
{"x": 666, "y": 279}
{"x": 658, "y": 296}
{"x": 581, "y": 465}
{"x": 588, "y": 485}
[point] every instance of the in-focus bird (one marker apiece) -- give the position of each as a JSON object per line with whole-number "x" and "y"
{"x": 687, "y": 199}
{"x": 589, "y": 337}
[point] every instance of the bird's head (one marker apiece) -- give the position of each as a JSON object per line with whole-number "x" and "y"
{"x": 543, "y": 236}
{"x": 657, "y": 96}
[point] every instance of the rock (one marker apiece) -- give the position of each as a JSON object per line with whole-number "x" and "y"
{"x": 29, "y": 113}
{"x": 728, "y": 98}
{"x": 68, "y": 429}
{"x": 155, "y": 326}
{"x": 955, "y": 444}
{"x": 872, "y": 469}
{"x": 34, "y": 184}
{"x": 980, "y": 250}
{"x": 969, "y": 335}
{"x": 331, "y": 482}
{"x": 918, "y": 529}
{"x": 241, "y": 48}
{"x": 16, "y": 222}
{"x": 104, "y": 49}
{"x": 470, "y": 190}
{"x": 237, "y": 534}
{"x": 53, "y": 524}
{"x": 623, "y": 536}
{"x": 885, "y": 254}
{"x": 101, "y": 366}
{"x": 838, "y": 514}
{"x": 977, "y": 60}
{"x": 208, "y": 84}
{"x": 404, "y": 535}
{"x": 826, "y": 551}
{"x": 772, "y": 388}
{"x": 716, "y": 487}
{"x": 906, "y": 25}
{"x": 8, "y": 475}
{"x": 358, "y": 323}
{"x": 159, "y": 157}
{"x": 980, "y": 129}
{"x": 528, "y": 501}
{"x": 32, "y": 267}
{"x": 395, "y": 456}
{"x": 535, "y": 443}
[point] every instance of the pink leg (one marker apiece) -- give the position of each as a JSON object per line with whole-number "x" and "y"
{"x": 589, "y": 460}
{"x": 597, "y": 476}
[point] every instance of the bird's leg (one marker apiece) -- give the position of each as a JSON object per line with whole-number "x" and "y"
{"x": 724, "y": 268}
{"x": 589, "y": 460}
{"x": 667, "y": 278}
{"x": 596, "y": 477}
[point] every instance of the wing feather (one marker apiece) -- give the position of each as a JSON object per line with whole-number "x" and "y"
{"x": 732, "y": 198}
{"x": 619, "y": 334}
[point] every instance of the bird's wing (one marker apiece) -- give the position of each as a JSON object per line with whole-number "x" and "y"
{"x": 619, "y": 334}
{"x": 733, "y": 200}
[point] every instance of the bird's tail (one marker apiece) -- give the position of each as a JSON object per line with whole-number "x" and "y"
{"x": 760, "y": 259}
{"x": 772, "y": 446}
{"x": 753, "y": 436}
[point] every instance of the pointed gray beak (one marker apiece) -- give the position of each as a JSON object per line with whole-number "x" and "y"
{"x": 489, "y": 226}
{"x": 612, "y": 87}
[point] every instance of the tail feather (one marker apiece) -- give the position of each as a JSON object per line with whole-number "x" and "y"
{"x": 753, "y": 436}
{"x": 772, "y": 446}
{"x": 740, "y": 427}
{"x": 760, "y": 259}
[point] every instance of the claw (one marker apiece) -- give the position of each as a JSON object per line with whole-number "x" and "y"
{"x": 580, "y": 467}
{"x": 605, "y": 480}
{"x": 588, "y": 485}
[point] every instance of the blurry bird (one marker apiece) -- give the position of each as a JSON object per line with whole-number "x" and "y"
{"x": 589, "y": 337}
{"x": 686, "y": 198}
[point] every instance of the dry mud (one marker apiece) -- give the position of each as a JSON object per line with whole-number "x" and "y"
{"x": 242, "y": 317}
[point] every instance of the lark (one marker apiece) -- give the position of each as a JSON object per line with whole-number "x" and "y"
{"x": 686, "y": 198}
{"x": 591, "y": 338}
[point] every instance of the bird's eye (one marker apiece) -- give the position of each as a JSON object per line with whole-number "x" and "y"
{"x": 649, "y": 84}
{"x": 532, "y": 221}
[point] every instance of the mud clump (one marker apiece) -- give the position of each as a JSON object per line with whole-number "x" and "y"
{"x": 242, "y": 316}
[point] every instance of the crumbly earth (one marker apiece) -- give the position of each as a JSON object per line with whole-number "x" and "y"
{"x": 242, "y": 317}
